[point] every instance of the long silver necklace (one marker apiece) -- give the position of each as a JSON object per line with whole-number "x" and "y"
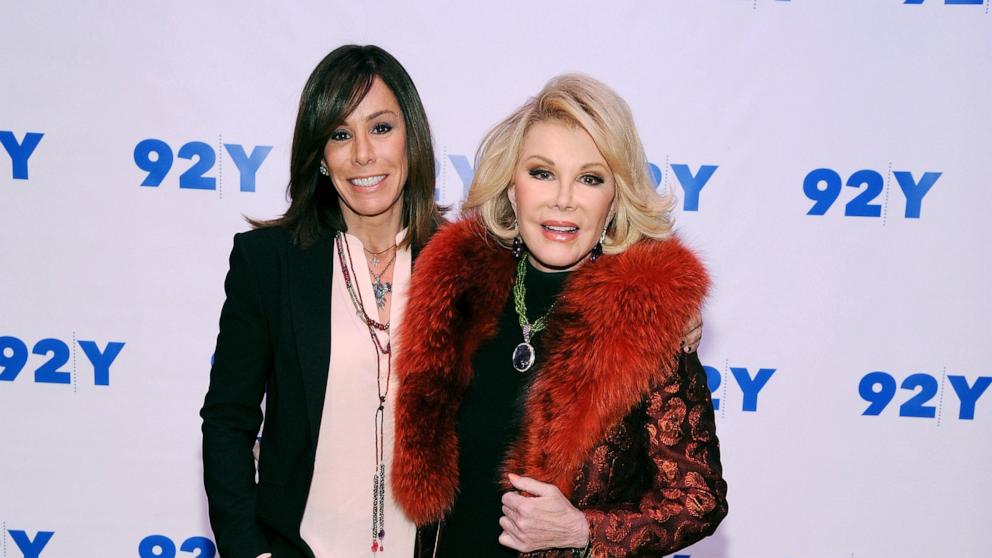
{"x": 379, "y": 474}
{"x": 524, "y": 354}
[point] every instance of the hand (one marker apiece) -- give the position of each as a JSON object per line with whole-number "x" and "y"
{"x": 544, "y": 520}
{"x": 693, "y": 333}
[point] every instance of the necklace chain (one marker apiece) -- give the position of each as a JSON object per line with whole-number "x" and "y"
{"x": 378, "y": 276}
{"x": 381, "y": 288}
{"x": 374, "y": 260}
{"x": 524, "y": 354}
{"x": 379, "y": 474}
{"x": 520, "y": 304}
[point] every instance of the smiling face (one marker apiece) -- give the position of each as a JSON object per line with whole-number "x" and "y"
{"x": 562, "y": 192}
{"x": 366, "y": 159}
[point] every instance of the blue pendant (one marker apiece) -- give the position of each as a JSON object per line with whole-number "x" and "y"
{"x": 523, "y": 357}
{"x": 380, "y": 290}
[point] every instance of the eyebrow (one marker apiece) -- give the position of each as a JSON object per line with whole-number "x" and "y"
{"x": 586, "y": 166}
{"x": 377, "y": 114}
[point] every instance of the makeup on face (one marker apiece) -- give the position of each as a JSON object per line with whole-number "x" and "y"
{"x": 562, "y": 193}
{"x": 366, "y": 157}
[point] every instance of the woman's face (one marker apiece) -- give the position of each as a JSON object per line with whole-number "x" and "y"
{"x": 562, "y": 192}
{"x": 366, "y": 157}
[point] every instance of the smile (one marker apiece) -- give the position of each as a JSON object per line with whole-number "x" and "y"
{"x": 560, "y": 228}
{"x": 367, "y": 181}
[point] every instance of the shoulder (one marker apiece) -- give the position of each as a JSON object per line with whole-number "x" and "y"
{"x": 263, "y": 239}
{"x": 459, "y": 245}
{"x": 261, "y": 252}
{"x": 666, "y": 260}
{"x": 649, "y": 279}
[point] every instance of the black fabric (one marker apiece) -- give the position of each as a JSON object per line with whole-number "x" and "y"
{"x": 488, "y": 421}
{"x": 274, "y": 342}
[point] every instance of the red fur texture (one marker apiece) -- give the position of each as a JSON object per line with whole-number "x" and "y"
{"x": 612, "y": 336}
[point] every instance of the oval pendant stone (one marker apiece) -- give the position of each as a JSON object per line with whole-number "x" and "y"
{"x": 523, "y": 357}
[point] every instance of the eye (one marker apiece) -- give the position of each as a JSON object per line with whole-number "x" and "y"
{"x": 541, "y": 173}
{"x": 340, "y": 135}
{"x": 382, "y": 128}
{"x": 591, "y": 179}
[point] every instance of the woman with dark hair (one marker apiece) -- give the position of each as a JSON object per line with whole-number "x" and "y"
{"x": 545, "y": 406}
{"x": 314, "y": 299}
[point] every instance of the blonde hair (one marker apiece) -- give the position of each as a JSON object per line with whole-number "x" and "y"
{"x": 581, "y": 101}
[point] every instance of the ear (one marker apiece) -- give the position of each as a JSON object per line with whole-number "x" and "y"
{"x": 511, "y": 193}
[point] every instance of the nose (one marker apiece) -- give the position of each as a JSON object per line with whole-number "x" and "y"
{"x": 363, "y": 152}
{"x": 564, "y": 197}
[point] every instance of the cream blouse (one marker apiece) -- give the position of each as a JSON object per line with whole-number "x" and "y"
{"x": 337, "y": 520}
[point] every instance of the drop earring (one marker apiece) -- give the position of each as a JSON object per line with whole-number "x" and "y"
{"x": 597, "y": 250}
{"x": 323, "y": 170}
{"x": 518, "y": 244}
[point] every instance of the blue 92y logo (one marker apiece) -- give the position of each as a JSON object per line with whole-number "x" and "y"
{"x": 30, "y": 547}
{"x": 156, "y": 157}
{"x": 879, "y": 389}
{"x": 161, "y": 546}
{"x": 750, "y": 385}
{"x": 692, "y": 182}
{"x": 19, "y": 151}
{"x": 14, "y": 357}
{"x": 823, "y": 187}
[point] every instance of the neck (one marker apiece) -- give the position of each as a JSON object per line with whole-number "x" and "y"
{"x": 377, "y": 232}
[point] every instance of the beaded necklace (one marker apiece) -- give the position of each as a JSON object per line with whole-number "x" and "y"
{"x": 379, "y": 476}
{"x": 524, "y": 354}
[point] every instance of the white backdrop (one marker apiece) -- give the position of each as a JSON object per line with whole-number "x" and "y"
{"x": 97, "y": 458}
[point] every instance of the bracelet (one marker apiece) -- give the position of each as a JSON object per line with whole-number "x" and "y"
{"x": 582, "y": 552}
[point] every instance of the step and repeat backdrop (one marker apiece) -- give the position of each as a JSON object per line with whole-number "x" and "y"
{"x": 832, "y": 163}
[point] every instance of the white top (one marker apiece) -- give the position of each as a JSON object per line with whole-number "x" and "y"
{"x": 338, "y": 518}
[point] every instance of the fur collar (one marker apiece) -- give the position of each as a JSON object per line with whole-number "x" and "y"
{"x": 611, "y": 336}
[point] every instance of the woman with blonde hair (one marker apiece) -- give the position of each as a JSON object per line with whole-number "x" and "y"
{"x": 544, "y": 403}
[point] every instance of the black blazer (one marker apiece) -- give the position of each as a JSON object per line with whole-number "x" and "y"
{"x": 274, "y": 341}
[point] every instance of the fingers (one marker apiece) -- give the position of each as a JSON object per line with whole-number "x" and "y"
{"x": 535, "y": 487}
{"x": 693, "y": 333}
{"x": 695, "y": 322}
{"x": 512, "y": 536}
{"x": 510, "y": 541}
{"x": 513, "y": 500}
{"x": 508, "y": 525}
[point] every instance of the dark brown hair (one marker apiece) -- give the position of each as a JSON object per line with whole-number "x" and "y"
{"x": 335, "y": 88}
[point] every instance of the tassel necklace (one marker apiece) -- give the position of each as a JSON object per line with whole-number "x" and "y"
{"x": 379, "y": 474}
{"x": 524, "y": 354}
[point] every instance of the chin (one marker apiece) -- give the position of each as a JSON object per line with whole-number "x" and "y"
{"x": 557, "y": 260}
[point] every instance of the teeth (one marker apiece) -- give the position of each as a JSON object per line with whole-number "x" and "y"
{"x": 561, "y": 229}
{"x": 369, "y": 181}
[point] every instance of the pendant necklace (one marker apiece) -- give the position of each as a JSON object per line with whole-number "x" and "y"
{"x": 524, "y": 354}
{"x": 379, "y": 473}
{"x": 380, "y": 288}
{"x": 374, "y": 260}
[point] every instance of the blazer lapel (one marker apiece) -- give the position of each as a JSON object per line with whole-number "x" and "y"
{"x": 310, "y": 271}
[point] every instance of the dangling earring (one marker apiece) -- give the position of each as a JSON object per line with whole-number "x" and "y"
{"x": 597, "y": 250}
{"x": 518, "y": 244}
{"x": 323, "y": 170}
